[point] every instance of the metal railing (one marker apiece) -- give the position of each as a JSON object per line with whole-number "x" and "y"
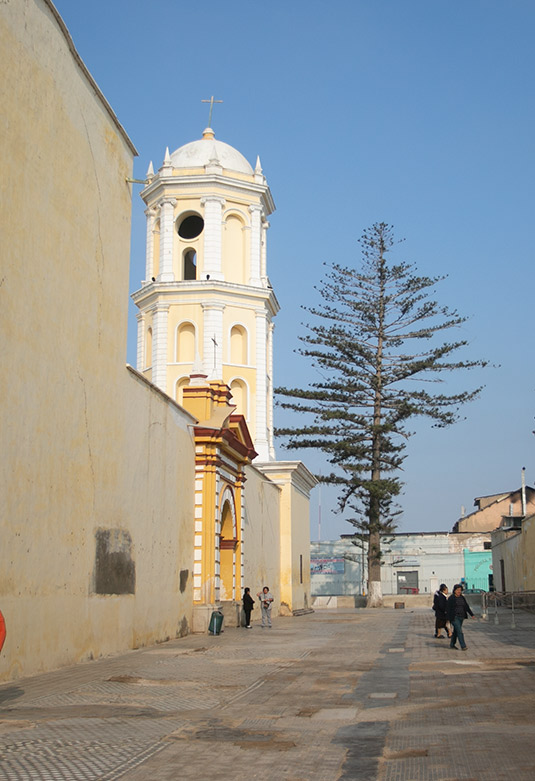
{"x": 512, "y": 600}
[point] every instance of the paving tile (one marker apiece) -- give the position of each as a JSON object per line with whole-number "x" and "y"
{"x": 366, "y": 695}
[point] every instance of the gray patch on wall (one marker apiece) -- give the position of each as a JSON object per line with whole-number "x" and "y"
{"x": 184, "y": 573}
{"x": 115, "y": 570}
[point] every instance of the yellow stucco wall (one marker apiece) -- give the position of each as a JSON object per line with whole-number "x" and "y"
{"x": 261, "y": 538}
{"x": 90, "y": 451}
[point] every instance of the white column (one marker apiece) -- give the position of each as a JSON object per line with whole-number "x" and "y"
{"x": 149, "y": 251}
{"x": 166, "y": 240}
{"x": 159, "y": 345}
{"x": 263, "y": 259}
{"x": 256, "y": 245}
{"x": 212, "y": 236}
{"x": 140, "y": 317}
{"x": 261, "y": 435}
{"x": 271, "y": 328}
{"x": 213, "y": 340}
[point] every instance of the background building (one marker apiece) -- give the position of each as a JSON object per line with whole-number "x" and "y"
{"x": 411, "y": 564}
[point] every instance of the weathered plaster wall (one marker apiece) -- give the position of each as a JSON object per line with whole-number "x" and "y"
{"x": 490, "y": 516}
{"x": 261, "y": 539}
{"x": 517, "y": 551}
{"x": 92, "y": 456}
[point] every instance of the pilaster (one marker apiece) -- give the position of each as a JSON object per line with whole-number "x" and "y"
{"x": 159, "y": 345}
{"x": 256, "y": 244}
{"x": 263, "y": 258}
{"x": 261, "y": 433}
{"x": 166, "y": 239}
{"x": 140, "y": 317}
{"x": 213, "y": 339}
{"x": 149, "y": 252}
{"x": 213, "y": 206}
{"x": 269, "y": 393}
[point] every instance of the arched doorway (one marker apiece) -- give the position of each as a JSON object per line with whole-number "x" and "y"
{"x": 227, "y": 550}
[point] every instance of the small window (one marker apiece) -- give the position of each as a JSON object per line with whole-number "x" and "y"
{"x": 487, "y": 546}
{"x": 191, "y": 227}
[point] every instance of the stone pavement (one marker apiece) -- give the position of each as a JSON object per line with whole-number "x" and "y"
{"x": 338, "y": 694}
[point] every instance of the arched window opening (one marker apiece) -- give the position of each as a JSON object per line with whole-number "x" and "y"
{"x": 190, "y": 226}
{"x": 239, "y": 396}
{"x": 179, "y": 389}
{"x": 185, "y": 343}
{"x": 190, "y": 264}
{"x": 238, "y": 345}
{"x": 148, "y": 349}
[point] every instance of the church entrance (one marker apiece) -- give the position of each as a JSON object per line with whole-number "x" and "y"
{"x": 227, "y": 548}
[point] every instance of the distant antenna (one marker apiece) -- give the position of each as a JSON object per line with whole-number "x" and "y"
{"x": 463, "y": 510}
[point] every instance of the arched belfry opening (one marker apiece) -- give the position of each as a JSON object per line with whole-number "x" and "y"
{"x": 189, "y": 265}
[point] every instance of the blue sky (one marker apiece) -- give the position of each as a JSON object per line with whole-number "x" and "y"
{"x": 416, "y": 113}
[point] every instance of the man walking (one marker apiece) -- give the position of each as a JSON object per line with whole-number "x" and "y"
{"x": 266, "y": 600}
{"x": 458, "y": 610}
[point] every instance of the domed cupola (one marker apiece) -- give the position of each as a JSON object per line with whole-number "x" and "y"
{"x": 207, "y": 151}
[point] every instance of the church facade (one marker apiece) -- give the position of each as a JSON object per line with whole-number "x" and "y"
{"x": 206, "y": 311}
{"x": 133, "y": 501}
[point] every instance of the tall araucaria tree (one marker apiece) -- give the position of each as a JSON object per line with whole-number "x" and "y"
{"x": 376, "y": 344}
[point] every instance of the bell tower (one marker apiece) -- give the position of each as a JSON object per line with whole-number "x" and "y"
{"x": 206, "y": 305}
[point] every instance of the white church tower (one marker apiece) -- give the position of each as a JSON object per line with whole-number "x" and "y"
{"x": 206, "y": 305}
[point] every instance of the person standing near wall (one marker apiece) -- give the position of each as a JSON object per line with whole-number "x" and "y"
{"x": 440, "y": 606}
{"x": 266, "y": 600}
{"x": 248, "y": 605}
{"x": 458, "y": 610}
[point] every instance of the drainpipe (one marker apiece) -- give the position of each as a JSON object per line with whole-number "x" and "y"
{"x": 523, "y": 491}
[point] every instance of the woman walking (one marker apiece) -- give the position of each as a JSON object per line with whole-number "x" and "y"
{"x": 440, "y": 606}
{"x": 458, "y": 610}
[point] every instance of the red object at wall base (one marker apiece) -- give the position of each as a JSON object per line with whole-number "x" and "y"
{"x": 2, "y": 630}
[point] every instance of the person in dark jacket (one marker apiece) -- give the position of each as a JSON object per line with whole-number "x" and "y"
{"x": 458, "y": 610}
{"x": 248, "y": 605}
{"x": 440, "y": 606}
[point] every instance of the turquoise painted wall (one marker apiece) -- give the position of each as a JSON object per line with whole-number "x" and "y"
{"x": 477, "y": 568}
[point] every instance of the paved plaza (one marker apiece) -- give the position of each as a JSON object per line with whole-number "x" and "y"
{"x": 337, "y": 694}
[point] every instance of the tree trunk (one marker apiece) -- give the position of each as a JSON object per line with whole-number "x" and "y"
{"x": 375, "y": 592}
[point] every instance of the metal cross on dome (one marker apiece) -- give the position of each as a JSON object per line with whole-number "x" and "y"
{"x": 211, "y": 101}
